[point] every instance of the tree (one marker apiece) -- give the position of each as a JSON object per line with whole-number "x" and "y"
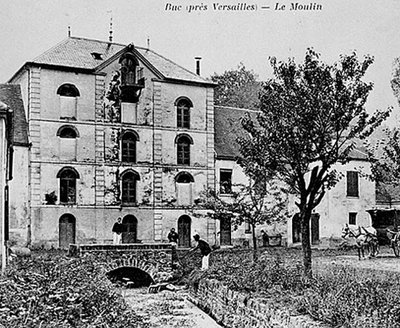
{"x": 237, "y": 88}
{"x": 258, "y": 202}
{"x": 384, "y": 155}
{"x": 310, "y": 117}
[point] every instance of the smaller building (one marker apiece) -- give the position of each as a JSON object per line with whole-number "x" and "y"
{"x": 347, "y": 202}
{"x": 18, "y": 206}
{"x": 6, "y": 126}
{"x": 230, "y": 175}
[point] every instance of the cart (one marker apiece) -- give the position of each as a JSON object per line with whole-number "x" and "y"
{"x": 394, "y": 237}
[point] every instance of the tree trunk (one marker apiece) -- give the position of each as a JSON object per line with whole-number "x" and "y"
{"x": 253, "y": 232}
{"x": 306, "y": 242}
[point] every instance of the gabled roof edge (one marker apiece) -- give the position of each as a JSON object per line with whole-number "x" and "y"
{"x": 122, "y": 51}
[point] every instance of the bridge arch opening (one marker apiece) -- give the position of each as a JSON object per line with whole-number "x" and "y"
{"x": 130, "y": 276}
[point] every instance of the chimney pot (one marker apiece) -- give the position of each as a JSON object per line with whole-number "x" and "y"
{"x": 197, "y": 65}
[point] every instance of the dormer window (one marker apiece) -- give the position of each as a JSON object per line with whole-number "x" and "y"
{"x": 128, "y": 69}
{"x": 97, "y": 55}
{"x": 130, "y": 86}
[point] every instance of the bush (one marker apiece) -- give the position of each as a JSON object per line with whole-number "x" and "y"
{"x": 354, "y": 298}
{"x": 57, "y": 291}
{"x": 339, "y": 296}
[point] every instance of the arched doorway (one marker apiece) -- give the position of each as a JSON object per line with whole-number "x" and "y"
{"x": 184, "y": 224}
{"x": 67, "y": 229}
{"x": 225, "y": 230}
{"x": 130, "y": 229}
{"x": 296, "y": 229}
{"x": 315, "y": 228}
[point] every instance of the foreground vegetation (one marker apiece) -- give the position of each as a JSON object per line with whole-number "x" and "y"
{"x": 337, "y": 295}
{"x": 52, "y": 290}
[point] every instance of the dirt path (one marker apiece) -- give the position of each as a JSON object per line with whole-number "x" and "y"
{"x": 385, "y": 261}
{"x": 167, "y": 309}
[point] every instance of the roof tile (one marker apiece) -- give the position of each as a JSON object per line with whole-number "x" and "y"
{"x": 10, "y": 94}
{"x": 76, "y": 52}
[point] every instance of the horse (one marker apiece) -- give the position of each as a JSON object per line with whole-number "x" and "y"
{"x": 365, "y": 237}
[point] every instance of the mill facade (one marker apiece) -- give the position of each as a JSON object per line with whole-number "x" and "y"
{"x": 116, "y": 131}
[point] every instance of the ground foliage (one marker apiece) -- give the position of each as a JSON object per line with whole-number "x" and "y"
{"x": 337, "y": 295}
{"x": 262, "y": 201}
{"x": 53, "y": 290}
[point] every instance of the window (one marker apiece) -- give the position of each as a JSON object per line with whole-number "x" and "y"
{"x": 183, "y": 149}
{"x": 184, "y": 182}
{"x": 129, "y": 147}
{"x": 352, "y": 218}
{"x": 184, "y": 177}
{"x": 247, "y": 227}
{"x": 97, "y": 55}
{"x": 68, "y": 176}
{"x": 130, "y": 88}
{"x": 225, "y": 177}
{"x": 68, "y": 100}
{"x": 129, "y": 180}
{"x": 352, "y": 183}
{"x": 128, "y": 69}
{"x": 68, "y": 135}
{"x": 183, "y": 113}
{"x": 68, "y": 132}
{"x": 68, "y": 90}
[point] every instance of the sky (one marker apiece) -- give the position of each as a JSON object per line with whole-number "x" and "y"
{"x": 223, "y": 38}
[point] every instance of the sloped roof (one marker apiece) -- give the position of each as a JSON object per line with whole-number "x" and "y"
{"x": 228, "y": 128}
{"x": 358, "y": 154}
{"x": 11, "y": 95}
{"x": 75, "y": 52}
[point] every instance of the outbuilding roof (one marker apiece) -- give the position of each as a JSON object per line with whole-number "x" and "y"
{"x": 228, "y": 128}
{"x": 88, "y": 54}
{"x": 11, "y": 95}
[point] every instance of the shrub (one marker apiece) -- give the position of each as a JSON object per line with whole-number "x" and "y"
{"x": 57, "y": 291}
{"x": 338, "y": 295}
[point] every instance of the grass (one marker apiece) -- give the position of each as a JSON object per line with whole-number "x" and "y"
{"x": 53, "y": 290}
{"x": 339, "y": 296}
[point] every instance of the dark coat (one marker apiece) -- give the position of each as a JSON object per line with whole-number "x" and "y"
{"x": 118, "y": 228}
{"x": 204, "y": 247}
{"x": 173, "y": 237}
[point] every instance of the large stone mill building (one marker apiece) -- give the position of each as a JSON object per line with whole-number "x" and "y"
{"x": 115, "y": 131}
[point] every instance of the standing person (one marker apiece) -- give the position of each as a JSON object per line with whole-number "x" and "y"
{"x": 265, "y": 238}
{"x": 205, "y": 250}
{"x": 117, "y": 230}
{"x": 173, "y": 237}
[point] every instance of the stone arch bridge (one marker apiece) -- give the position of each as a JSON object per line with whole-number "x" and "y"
{"x": 154, "y": 259}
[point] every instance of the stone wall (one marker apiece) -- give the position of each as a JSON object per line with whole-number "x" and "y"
{"x": 235, "y": 309}
{"x": 155, "y": 259}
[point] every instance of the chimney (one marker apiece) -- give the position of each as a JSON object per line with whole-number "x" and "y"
{"x": 197, "y": 65}
{"x": 110, "y": 38}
